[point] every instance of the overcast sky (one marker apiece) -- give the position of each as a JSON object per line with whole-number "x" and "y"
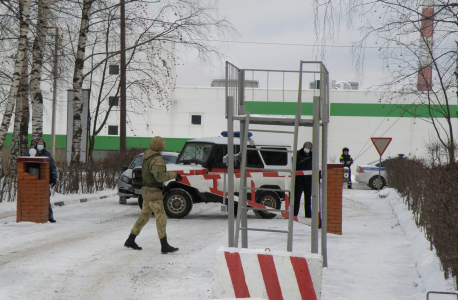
{"x": 283, "y": 22}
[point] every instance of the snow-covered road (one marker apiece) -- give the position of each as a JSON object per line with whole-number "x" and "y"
{"x": 381, "y": 254}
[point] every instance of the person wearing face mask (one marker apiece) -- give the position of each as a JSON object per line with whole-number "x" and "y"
{"x": 304, "y": 183}
{"x": 40, "y": 146}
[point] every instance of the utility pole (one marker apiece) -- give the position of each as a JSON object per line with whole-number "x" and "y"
{"x": 54, "y": 95}
{"x": 122, "y": 131}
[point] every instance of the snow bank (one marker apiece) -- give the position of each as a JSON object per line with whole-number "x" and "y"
{"x": 427, "y": 263}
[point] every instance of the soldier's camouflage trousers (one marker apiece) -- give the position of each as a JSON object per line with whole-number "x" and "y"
{"x": 152, "y": 202}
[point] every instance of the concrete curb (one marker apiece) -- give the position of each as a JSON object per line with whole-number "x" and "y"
{"x": 7, "y": 214}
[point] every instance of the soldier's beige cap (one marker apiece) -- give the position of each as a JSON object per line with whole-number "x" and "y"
{"x": 157, "y": 144}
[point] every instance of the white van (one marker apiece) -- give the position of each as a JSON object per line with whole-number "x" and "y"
{"x": 204, "y": 156}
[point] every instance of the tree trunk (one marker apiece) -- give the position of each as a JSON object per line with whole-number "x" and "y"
{"x": 78, "y": 82}
{"x": 24, "y": 13}
{"x": 35, "y": 74}
{"x": 456, "y": 81}
{"x": 18, "y": 116}
{"x": 17, "y": 126}
{"x": 25, "y": 110}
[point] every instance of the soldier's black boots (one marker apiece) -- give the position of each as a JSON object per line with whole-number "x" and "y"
{"x": 165, "y": 247}
{"x": 130, "y": 243}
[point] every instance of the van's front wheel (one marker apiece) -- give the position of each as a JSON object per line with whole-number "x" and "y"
{"x": 269, "y": 199}
{"x": 177, "y": 203}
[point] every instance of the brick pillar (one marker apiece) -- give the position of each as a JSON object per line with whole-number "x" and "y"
{"x": 32, "y": 191}
{"x": 335, "y": 187}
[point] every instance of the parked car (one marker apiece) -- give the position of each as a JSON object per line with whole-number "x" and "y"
{"x": 125, "y": 189}
{"x": 204, "y": 156}
{"x": 369, "y": 174}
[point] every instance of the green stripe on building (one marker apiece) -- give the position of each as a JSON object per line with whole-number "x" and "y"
{"x": 390, "y": 110}
{"x": 110, "y": 142}
{"x": 271, "y": 108}
{"x": 351, "y": 109}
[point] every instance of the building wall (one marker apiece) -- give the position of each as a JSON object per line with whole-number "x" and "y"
{"x": 356, "y": 116}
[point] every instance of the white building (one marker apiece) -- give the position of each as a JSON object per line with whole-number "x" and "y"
{"x": 356, "y": 116}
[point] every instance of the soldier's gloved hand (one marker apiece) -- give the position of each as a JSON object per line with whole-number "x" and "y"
{"x": 179, "y": 178}
{"x": 53, "y": 182}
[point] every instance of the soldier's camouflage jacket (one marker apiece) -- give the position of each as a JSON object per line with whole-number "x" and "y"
{"x": 154, "y": 170}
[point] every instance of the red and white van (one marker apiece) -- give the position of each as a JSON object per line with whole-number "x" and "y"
{"x": 204, "y": 157}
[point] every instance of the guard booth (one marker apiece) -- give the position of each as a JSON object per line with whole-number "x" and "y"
{"x": 32, "y": 189}
{"x": 275, "y": 119}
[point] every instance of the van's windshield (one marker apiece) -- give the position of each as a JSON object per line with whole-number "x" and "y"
{"x": 197, "y": 153}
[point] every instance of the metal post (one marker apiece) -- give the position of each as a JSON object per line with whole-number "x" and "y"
{"x": 324, "y": 169}
{"x": 379, "y": 172}
{"x": 54, "y": 96}
{"x": 224, "y": 188}
{"x": 289, "y": 245}
{"x": 315, "y": 172}
{"x": 230, "y": 169}
{"x": 243, "y": 144}
{"x": 123, "y": 107}
{"x": 242, "y": 209}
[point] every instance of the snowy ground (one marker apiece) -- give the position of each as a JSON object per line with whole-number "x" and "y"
{"x": 381, "y": 254}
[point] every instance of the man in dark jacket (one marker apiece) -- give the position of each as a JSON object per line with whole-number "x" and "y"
{"x": 346, "y": 159}
{"x": 304, "y": 183}
{"x": 40, "y": 145}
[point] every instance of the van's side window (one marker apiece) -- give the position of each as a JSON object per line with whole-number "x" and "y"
{"x": 220, "y": 152}
{"x": 253, "y": 159}
{"x": 275, "y": 158}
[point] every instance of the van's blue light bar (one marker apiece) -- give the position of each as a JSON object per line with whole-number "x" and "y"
{"x": 236, "y": 134}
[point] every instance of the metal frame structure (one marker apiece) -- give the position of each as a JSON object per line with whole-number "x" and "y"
{"x": 236, "y": 111}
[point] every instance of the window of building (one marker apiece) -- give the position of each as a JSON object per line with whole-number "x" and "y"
{"x": 113, "y": 101}
{"x": 196, "y": 119}
{"x": 112, "y": 129}
{"x": 113, "y": 69}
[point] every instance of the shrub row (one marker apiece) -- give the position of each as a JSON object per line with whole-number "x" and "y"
{"x": 430, "y": 192}
{"x": 81, "y": 178}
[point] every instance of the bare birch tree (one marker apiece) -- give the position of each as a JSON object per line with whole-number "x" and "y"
{"x": 37, "y": 65}
{"x": 25, "y": 111}
{"x": 412, "y": 36}
{"x": 78, "y": 80}
{"x": 190, "y": 23}
{"x": 22, "y": 97}
{"x": 24, "y": 13}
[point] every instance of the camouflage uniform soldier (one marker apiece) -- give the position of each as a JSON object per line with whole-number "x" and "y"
{"x": 153, "y": 176}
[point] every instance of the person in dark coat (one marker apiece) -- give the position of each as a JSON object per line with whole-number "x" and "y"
{"x": 40, "y": 146}
{"x": 346, "y": 159}
{"x": 304, "y": 183}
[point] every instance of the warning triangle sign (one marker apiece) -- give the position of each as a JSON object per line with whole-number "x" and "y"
{"x": 381, "y": 144}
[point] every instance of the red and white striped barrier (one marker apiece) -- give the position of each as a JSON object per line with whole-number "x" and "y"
{"x": 248, "y": 273}
{"x": 212, "y": 184}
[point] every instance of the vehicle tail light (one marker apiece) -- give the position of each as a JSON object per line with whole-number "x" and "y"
{"x": 359, "y": 170}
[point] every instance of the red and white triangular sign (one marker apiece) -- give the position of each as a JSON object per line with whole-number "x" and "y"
{"x": 381, "y": 144}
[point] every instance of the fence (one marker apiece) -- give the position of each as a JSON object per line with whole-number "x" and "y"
{"x": 430, "y": 193}
{"x": 82, "y": 178}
